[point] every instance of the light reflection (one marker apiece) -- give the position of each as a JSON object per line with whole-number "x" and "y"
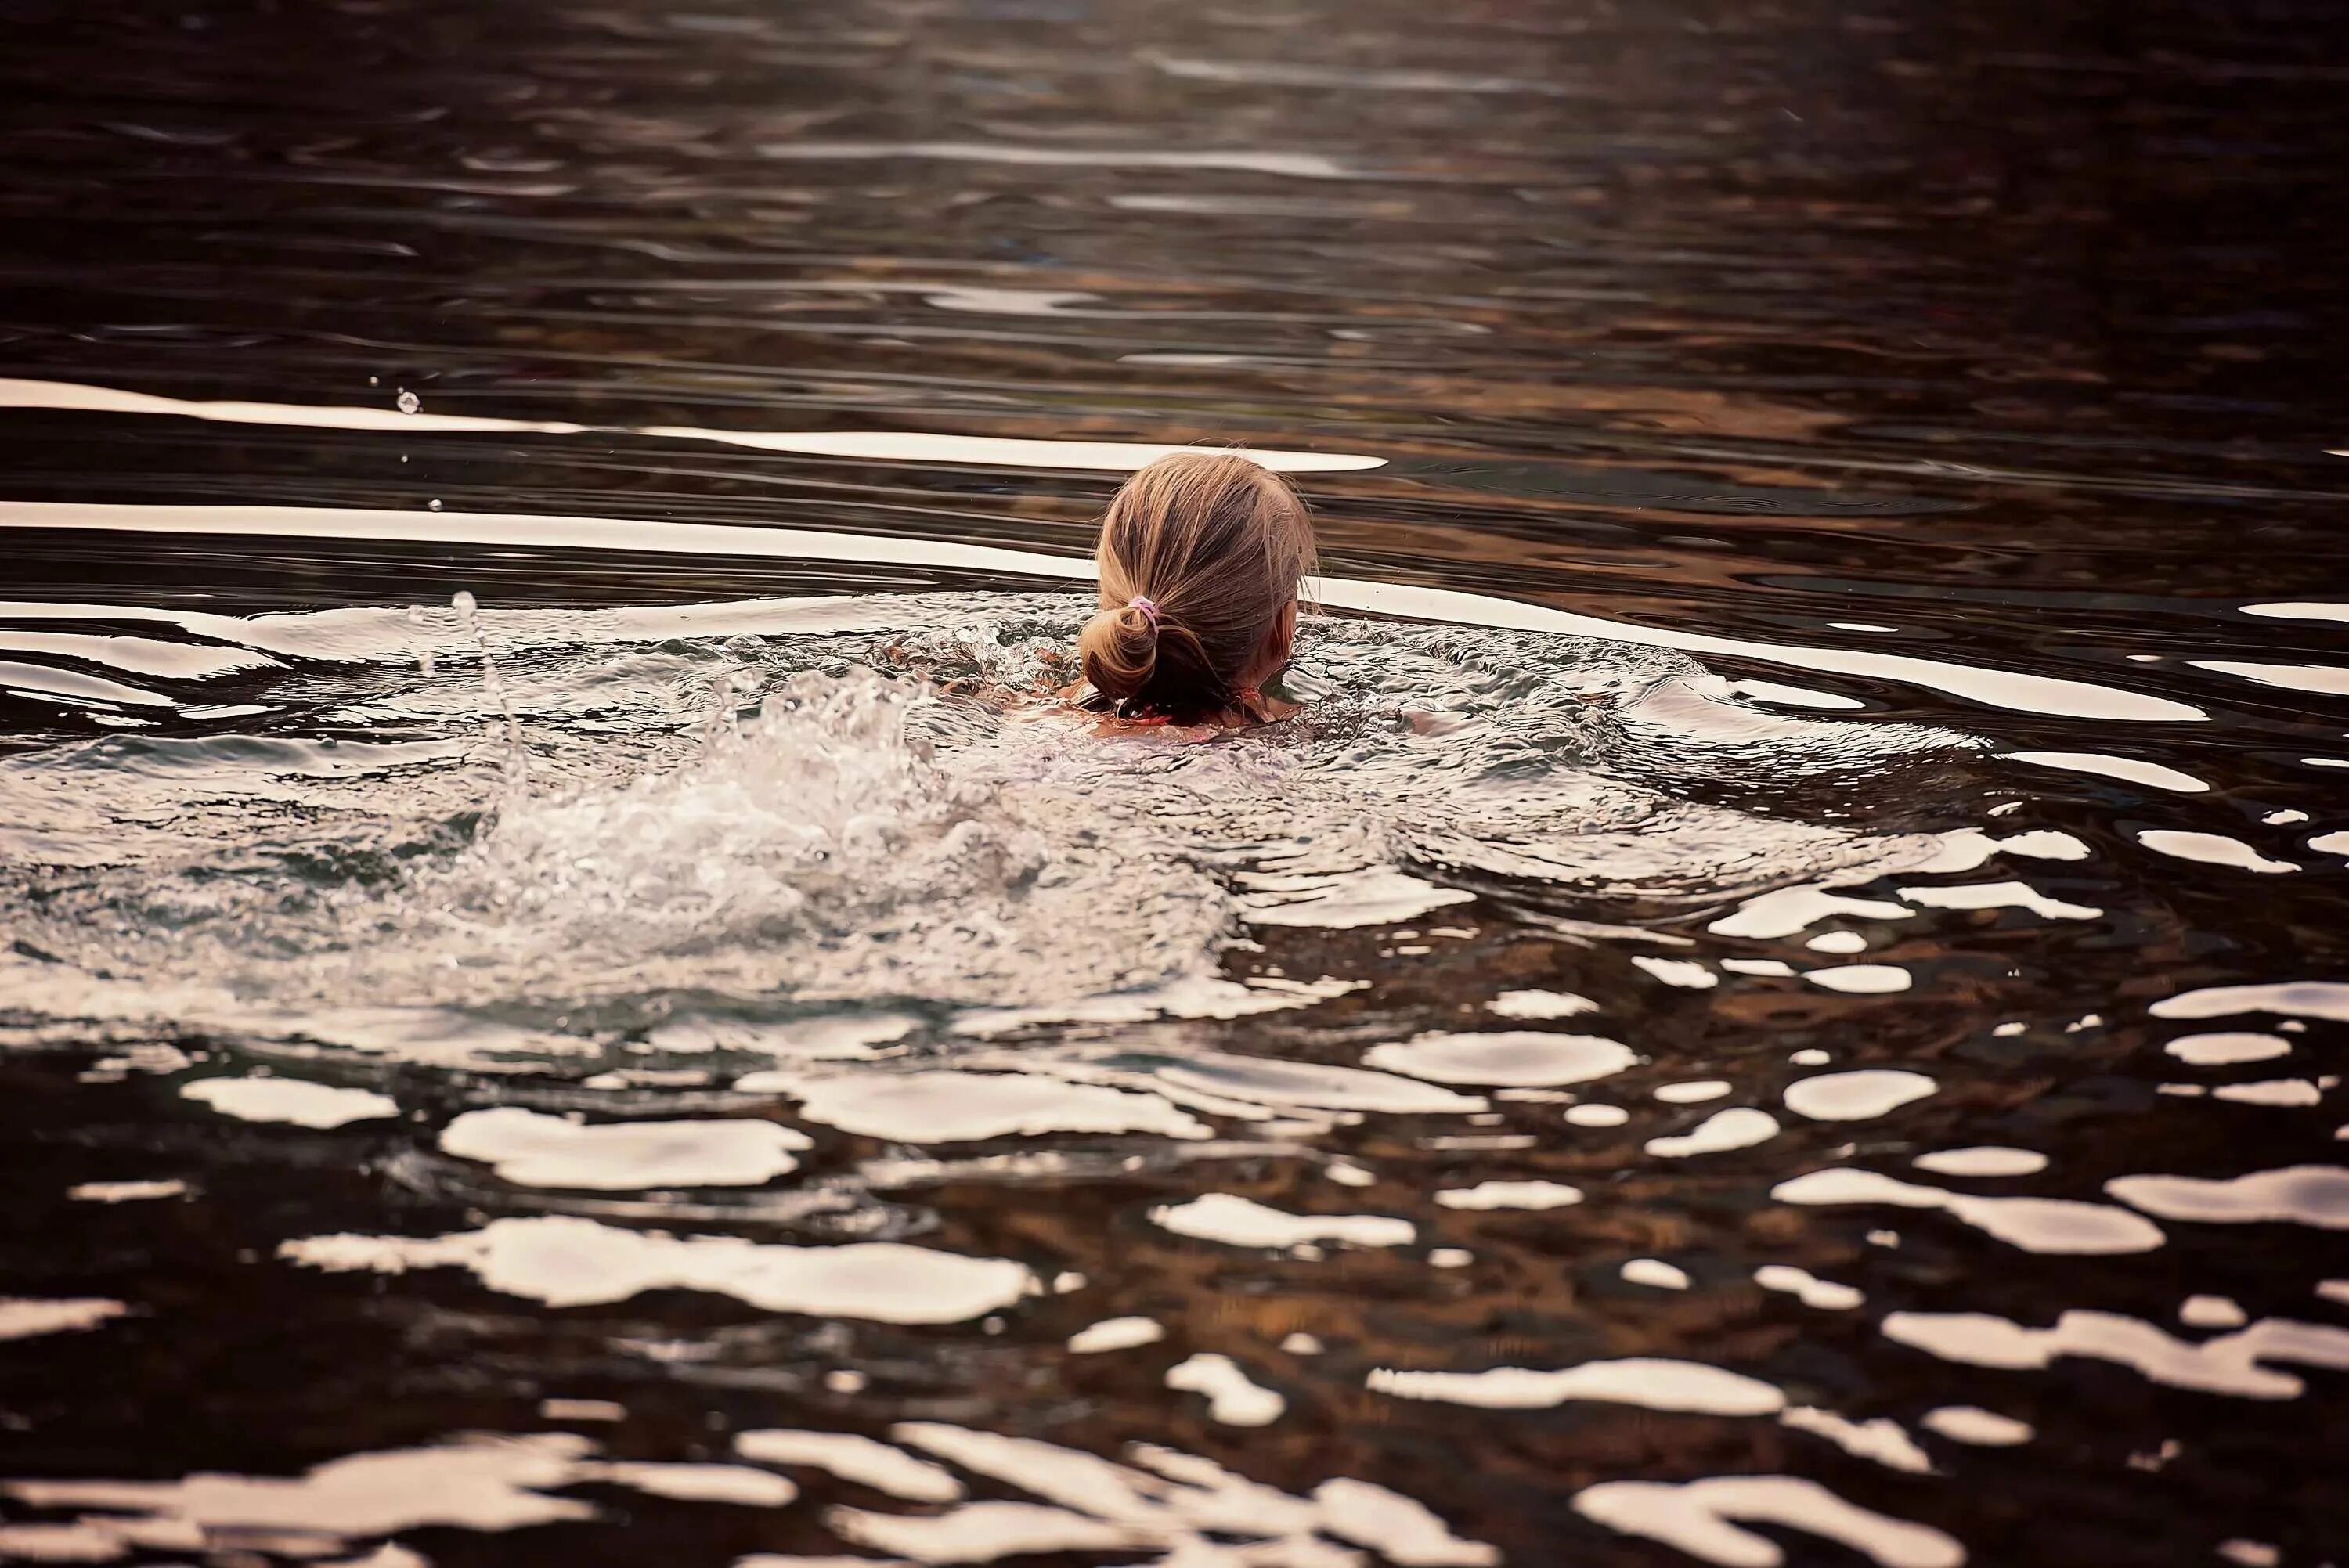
{"x": 1994, "y": 688}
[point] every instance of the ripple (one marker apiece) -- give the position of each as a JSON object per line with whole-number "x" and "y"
{"x": 1232, "y": 1399}
{"x": 1648, "y": 1382}
{"x": 1696, "y": 1518}
{"x": 1240, "y": 1223}
{"x": 1982, "y": 1159}
{"x": 1737, "y": 1127}
{"x": 1511, "y": 1195}
{"x": 2290, "y": 998}
{"x": 23, "y": 1318}
{"x": 293, "y": 1100}
{"x": 853, "y": 1457}
{"x": 2060, "y": 1225}
{"x": 531, "y": 1150}
{"x": 1516, "y": 1057}
{"x": 951, "y": 1107}
{"x": 2229, "y": 1364}
{"x": 1859, "y": 1096}
{"x": 566, "y": 1262}
{"x": 2212, "y": 850}
{"x": 2314, "y": 1195}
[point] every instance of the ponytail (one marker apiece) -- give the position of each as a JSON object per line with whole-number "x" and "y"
{"x": 1200, "y": 556}
{"x": 1120, "y": 649}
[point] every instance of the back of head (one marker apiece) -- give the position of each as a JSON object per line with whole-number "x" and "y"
{"x": 1201, "y": 555}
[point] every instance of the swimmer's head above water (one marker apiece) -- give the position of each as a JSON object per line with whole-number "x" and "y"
{"x": 1201, "y": 557}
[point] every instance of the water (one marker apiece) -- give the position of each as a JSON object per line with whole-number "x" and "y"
{"x": 571, "y": 998}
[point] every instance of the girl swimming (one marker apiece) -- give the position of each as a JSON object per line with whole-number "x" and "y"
{"x": 1201, "y": 557}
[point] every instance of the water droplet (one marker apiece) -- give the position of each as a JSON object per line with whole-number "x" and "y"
{"x": 434, "y": 503}
{"x": 463, "y": 601}
{"x": 408, "y": 401}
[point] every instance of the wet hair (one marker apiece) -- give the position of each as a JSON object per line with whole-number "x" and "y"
{"x": 1200, "y": 554}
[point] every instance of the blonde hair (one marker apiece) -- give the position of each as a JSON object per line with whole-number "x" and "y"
{"x": 1200, "y": 554}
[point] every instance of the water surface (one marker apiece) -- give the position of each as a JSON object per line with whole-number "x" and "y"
{"x": 571, "y": 997}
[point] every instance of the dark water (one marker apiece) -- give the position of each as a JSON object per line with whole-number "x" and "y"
{"x": 1845, "y": 499}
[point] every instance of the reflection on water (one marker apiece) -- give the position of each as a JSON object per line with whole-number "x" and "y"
{"x": 569, "y": 997}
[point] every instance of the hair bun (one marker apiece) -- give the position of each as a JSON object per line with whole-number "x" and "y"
{"x": 1119, "y": 648}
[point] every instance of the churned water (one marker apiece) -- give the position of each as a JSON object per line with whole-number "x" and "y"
{"x": 570, "y": 994}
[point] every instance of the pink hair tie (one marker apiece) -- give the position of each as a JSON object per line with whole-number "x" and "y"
{"x": 1148, "y": 606}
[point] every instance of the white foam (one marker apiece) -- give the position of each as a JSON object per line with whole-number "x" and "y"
{"x": 2059, "y": 1225}
{"x": 295, "y": 1100}
{"x": 839, "y": 1038}
{"x": 1511, "y": 1195}
{"x": 2314, "y": 1195}
{"x": 1240, "y": 1223}
{"x": 1739, "y": 1126}
{"x": 1232, "y": 1399}
{"x": 1343, "y": 901}
{"x": 1650, "y": 1382}
{"x": 567, "y": 1261}
{"x": 1695, "y": 1517}
{"x": 1516, "y": 1057}
{"x": 946, "y": 1106}
{"x": 1859, "y": 1096}
{"x": 1115, "y": 1333}
{"x": 532, "y": 1150}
